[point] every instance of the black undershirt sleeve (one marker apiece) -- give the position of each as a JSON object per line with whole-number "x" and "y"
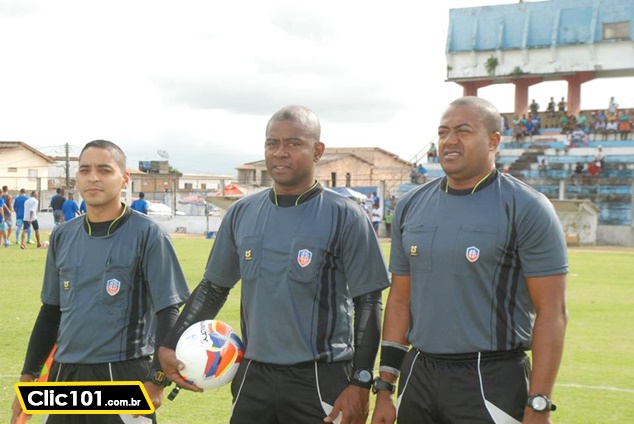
{"x": 204, "y": 303}
{"x": 368, "y": 310}
{"x": 166, "y": 318}
{"x": 43, "y": 338}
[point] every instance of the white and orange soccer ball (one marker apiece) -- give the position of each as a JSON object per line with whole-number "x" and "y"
{"x": 211, "y": 352}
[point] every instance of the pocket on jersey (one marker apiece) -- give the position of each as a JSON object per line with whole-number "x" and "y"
{"x": 306, "y": 257}
{"x": 417, "y": 245}
{"x": 474, "y": 244}
{"x": 250, "y": 251}
{"x": 116, "y": 286}
{"x": 67, "y": 282}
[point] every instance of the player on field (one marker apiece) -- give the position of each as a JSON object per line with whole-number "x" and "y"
{"x": 312, "y": 274}
{"x": 479, "y": 263}
{"x": 112, "y": 286}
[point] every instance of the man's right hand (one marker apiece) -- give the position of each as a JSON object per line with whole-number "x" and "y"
{"x": 16, "y": 408}
{"x": 172, "y": 367}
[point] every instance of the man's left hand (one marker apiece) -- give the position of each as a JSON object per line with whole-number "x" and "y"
{"x": 353, "y": 404}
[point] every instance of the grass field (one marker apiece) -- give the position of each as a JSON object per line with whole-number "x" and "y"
{"x": 595, "y": 384}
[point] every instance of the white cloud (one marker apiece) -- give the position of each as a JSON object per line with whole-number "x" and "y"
{"x": 200, "y": 78}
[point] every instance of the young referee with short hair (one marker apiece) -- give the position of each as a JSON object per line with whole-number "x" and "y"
{"x": 312, "y": 273}
{"x": 112, "y": 286}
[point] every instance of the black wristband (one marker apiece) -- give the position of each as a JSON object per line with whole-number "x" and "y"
{"x": 382, "y": 385}
{"x": 392, "y": 355}
{"x": 158, "y": 377}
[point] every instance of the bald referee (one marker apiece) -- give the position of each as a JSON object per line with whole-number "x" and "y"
{"x": 479, "y": 265}
{"x": 312, "y": 274}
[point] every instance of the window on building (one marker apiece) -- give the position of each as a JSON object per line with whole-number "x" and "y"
{"x": 348, "y": 179}
{"x": 203, "y": 186}
{"x": 333, "y": 179}
{"x": 12, "y": 169}
{"x": 616, "y": 30}
{"x": 189, "y": 186}
{"x": 32, "y": 173}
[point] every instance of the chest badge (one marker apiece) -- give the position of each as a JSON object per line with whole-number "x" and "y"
{"x": 247, "y": 255}
{"x": 413, "y": 250}
{"x": 66, "y": 285}
{"x": 304, "y": 257}
{"x": 473, "y": 253}
{"x": 113, "y": 286}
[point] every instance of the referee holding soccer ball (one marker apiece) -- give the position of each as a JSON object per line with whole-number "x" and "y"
{"x": 312, "y": 273}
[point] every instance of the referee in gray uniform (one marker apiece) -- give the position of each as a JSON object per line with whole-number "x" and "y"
{"x": 479, "y": 265}
{"x": 112, "y": 286}
{"x": 312, "y": 273}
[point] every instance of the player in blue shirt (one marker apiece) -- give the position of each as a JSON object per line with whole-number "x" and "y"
{"x": 140, "y": 205}
{"x": 70, "y": 208}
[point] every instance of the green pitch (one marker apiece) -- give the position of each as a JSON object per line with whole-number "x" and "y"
{"x": 595, "y": 384}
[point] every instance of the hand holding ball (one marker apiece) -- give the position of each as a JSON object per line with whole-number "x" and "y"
{"x": 211, "y": 352}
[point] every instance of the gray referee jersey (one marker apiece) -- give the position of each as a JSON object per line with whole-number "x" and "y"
{"x": 110, "y": 288}
{"x": 468, "y": 258}
{"x": 300, "y": 268}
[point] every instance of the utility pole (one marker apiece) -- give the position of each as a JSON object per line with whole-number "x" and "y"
{"x": 67, "y": 167}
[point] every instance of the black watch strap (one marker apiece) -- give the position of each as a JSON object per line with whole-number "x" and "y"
{"x": 158, "y": 377}
{"x": 382, "y": 385}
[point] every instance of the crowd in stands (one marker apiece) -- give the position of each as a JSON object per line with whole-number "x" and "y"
{"x": 611, "y": 123}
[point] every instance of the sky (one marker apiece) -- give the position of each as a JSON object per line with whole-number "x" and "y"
{"x": 198, "y": 79}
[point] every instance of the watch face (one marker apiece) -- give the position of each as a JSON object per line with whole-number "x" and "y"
{"x": 364, "y": 376}
{"x": 539, "y": 404}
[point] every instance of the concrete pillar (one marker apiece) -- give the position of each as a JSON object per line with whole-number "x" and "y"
{"x": 574, "y": 90}
{"x": 470, "y": 88}
{"x": 521, "y": 93}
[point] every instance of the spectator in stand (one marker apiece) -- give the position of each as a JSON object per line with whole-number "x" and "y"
{"x": 432, "y": 153}
{"x": 534, "y": 107}
{"x": 550, "y": 113}
{"x": 524, "y": 119}
{"x": 537, "y": 122}
{"x": 530, "y": 129}
{"x": 543, "y": 167}
{"x": 564, "y": 124}
{"x": 422, "y": 177}
{"x": 516, "y": 120}
{"x": 599, "y": 156}
{"x": 577, "y": 137}
{"x": 582, "y": 122}
{"x": 594, "y": 168}
{"x": 625, "y": 124}
{"x": 578, "y": 172}
{"x": 599, "y": 125}
{"x": 613, "y": 106}
{"x": 519, "y": 132}
{"x": 612, "y": 125}
{"x": 561, "y": 106}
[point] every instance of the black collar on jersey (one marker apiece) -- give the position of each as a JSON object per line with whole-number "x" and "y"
{"x": 100, "y": 229}
{"x": 486, "y": 181}
{"x": 288, "y": 200}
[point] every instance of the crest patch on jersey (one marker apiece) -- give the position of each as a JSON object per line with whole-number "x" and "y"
{"x": 113, "y": 286}
{"x": 473, "y": 253}
{"x": 304, "y": 257}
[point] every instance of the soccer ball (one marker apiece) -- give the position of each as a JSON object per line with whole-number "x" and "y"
{"x": 211, "y": 352}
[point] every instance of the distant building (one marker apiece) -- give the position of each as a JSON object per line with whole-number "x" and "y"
{"x": 22, "y": 166}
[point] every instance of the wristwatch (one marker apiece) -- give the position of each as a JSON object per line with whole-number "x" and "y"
{"x": 158, "y": 377}
{"x": 540, "y": 403}
{"x": 362, "y": 378}
{"x": 382, "y": 385}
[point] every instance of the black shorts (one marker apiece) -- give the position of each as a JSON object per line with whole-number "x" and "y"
{"x": 133, "y": 370}
{"x": 463, "y": 388}
{"x": 285, "y": 394}
{"x": 34, "y": 224}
